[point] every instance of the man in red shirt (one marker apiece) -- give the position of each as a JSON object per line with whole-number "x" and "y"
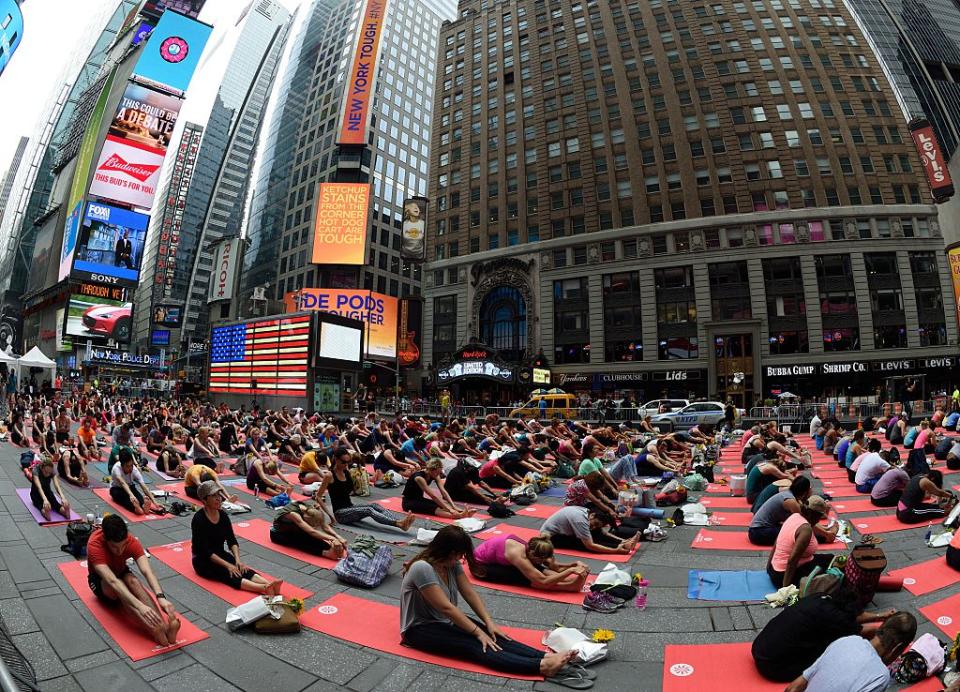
{"x": 114, "y": 584}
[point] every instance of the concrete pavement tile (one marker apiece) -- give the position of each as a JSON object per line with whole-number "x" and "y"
{"x": 384, "y": 675}
{"x": 113, "y": 677}
{"x": 741, "y": 618}
{"x": 323, "y": 656}
{"x": 9, "y": 530}
{"x": 65, "y": 683}
{"x": 16, "y": 618}
{"x": 84, "y": 662}
{"x": 68, "y": 632}
{"x": 159, "y": 666}
{"x": 41, "y": 593}
{"x": 39, "y": 537}
{"x": 23, "y": 564}
{"x": 722, "y": 621}
{"x": 239, "y": 662}
{"x": 196, "y": 678}
{"x": 8, "y": 587}
{"x": 652, "y": 620}
{"x": 36, "y": 649}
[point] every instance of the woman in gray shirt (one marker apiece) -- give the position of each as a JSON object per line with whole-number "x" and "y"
{"x": 432, "y": 621}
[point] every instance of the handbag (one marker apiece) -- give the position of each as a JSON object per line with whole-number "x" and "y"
{"x": 239, "y": 467}
{"x": 822, "y": 582}
{"x": 862, "y": 571}
{"x": 498, "y": 510}
{"x": 360, "y": 480}
{"x": 924, "y": 658}
{"x": 283, "y": 619}
{"x": 361, "y": 570}
{"x": 564, "y": 470}
{"x": 78, "y": 533}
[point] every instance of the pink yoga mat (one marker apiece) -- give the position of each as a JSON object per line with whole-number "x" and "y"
{"x": 258, "y": 531}
{"x": 571, "y": 597}
{"x": 24, "y": 495}
{"x": 525, "y": 534}
{"x": 104, "y": 494}
{"x": 862, "y": 504}
{"x": 709, "y": 539}
{"x": 720, "y": 667}
{"x": 882, "y": 524}
{"x": 724, "y": 502}
{"x": 923, "y": 577}
{"x": 732, "y": 518}
{"x": 135, "y": 642}
{"x": 349, "y": 618}
{"x": 395, "y": 504}
{"x": 177, "y": 556}
{"x": 945, "y": 614}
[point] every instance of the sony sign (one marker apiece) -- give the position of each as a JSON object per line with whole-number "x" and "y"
{"x": 844, "y": 368}
{"x": 222, "y": 279}
{"x": 789, "y": 370}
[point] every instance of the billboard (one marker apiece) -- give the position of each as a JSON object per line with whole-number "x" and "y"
{"x": 223, "y": 277}
{"x": 98, "y": 318}
{"x": 69, "y": 244}
{"x": 261, "y": 357}
{"x": 42, "y": 251}
{"x": 410, "y": 336}
{"x": 953, "y": 256}
{"x": 127, "y": 172}
{"x": 338, "y": 343}
{"x": 160, "y": 337}
{"x": 172, "y": 52}
{"x": 141, "y": 34}
{"x": 413, "y": 236}
{"x": 64, "y": 343}
{"x": 109, "y": 245}
{"x": 379, "y": 311}
{"x": 934, "y": 162}
{"x": 146, "y": 117}
{"x": 156, "y": 8}
{"x": 340, "y": 229}
{"x": 358, "y": 95}
{"x": 167, "y": 315}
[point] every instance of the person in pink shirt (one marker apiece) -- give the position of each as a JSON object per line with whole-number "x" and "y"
{"x": 506, "y": 559}
{"x": 794, "y": 555}
{"x": 926, "y": 439}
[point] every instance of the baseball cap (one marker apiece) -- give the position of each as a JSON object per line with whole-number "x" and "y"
{"x": 818, "y": 504}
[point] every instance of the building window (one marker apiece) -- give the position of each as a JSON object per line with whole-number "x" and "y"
{"x": 503, "y": 322}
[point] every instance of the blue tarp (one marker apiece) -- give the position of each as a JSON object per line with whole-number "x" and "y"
{"x": 729, "y": 585}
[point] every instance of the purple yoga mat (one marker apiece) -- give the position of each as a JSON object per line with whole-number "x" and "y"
{"x": 24, "y": 495}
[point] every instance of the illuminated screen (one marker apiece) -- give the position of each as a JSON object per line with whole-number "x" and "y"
{"x": 340, "y": 231}
{"x": 110, "y": 245}
{"x": 98, "y": 318}
{"x": 261, "y": 357}
{"x": 340, "y": 342}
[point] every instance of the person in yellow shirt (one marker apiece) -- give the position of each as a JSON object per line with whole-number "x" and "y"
{"x": 197, "y": 474}
{"x": 314, "y": 466}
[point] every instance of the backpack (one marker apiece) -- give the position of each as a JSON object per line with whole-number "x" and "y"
{"x": 524, "y": 495}
{"x": 239, "y": 467}
{"x": 359, "y": 569}
{"x": 360, "y": 480}
{"x": 564, "y": 470}
{"x": 498, "y": 510}
{"x": 26, "y": 459}
{"x": 864, "y": 566}
{"x": 822, "y": 582}
{"x": 78, "y": 533}
{"x": 924, "y": 658}
{"x": 916, "y": 463}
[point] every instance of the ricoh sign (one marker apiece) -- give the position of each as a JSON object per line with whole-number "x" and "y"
{"x": 222, "y": 279}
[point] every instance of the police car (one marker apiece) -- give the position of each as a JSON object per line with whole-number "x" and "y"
{"x": 699, "y": 413}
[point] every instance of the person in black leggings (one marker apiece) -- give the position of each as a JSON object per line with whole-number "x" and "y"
{"x": 913, "y": 510}
{"x": 45, "y": 492}
{"x": 418, "y": 498}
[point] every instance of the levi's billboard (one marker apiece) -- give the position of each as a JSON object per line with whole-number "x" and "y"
{"x": 379, "y": 311}
{"x": 340, "y": 229}
{"x": 172, "y": 52}
{"x": 934, "y": 162}
{"x": 358, "y": 94}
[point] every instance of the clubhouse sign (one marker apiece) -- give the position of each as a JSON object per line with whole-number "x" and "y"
{"x": 861, "y": 367}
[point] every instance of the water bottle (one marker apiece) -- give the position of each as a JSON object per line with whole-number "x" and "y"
{"x": 98, "y": 519}
{"x": 929, "y": 531}
{"x": 641, "y": 601}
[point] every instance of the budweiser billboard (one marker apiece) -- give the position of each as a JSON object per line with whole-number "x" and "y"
{"x": 224, "y": 274}
{"x": 934, "y": 162}
{"x": 127, "y": 172}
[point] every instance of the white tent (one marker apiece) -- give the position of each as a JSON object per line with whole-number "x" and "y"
{"x": 34, "y": 359}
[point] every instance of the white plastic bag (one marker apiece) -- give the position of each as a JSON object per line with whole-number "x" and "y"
{"x": 424, "y": 537}
{"x": 470, "y": 524}
{"x": 692, "y": 508}
{"x": 569, "y": 639}
{"x": 611, "y": 575}
{"x": 247, "y": 613}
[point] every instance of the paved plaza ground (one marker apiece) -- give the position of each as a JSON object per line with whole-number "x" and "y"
{"x": 70, "y": 651}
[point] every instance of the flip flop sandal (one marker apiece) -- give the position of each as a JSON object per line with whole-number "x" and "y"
{"x": 572, "y": 680}
{"x": 576, "y": 669}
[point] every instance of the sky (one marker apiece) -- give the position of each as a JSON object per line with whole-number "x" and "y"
{"x": 30, "y": 83}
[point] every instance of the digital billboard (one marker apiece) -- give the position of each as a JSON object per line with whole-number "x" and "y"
{"x": 261, "y": 357}
{"x": 934, "y": 162}
{"x": 127, "y": 172}
{"x": 340, "y": 230}
{"x": 64, "y": 343}
{"x": 42, "y": 251}
{"x": 410, "y": 336}
{"x": 160, "y": 337}
{"x": 110, "y": 245}
{"x": 172, "y": 52}
{"x": 413, "y": 234}
{"x": 146, "y": 117}
{"x": 156, "y": 8}
{"x": 98, "y": 318}
{"x": 379, "y": 311}
{"x": 953, "y": 257}
{"x": 167, "y": 315}
{"x": 141, "y": 34}
{"x": 358, "y": 95}
{"x": 70, "y": 230}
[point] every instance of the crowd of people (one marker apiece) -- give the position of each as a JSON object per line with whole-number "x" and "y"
{"x": 454, "y": 468}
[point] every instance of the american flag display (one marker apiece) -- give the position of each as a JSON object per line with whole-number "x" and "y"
{"x": 261, "y": 357}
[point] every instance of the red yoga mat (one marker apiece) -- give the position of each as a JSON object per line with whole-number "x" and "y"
{"x": 525, "y": 534}
{"x": 732, "y": 518}
{"x": 945, "y": 614}
{"x": 176, "y": 489}
{"x": 135, "y": 642}
{"x": 395, "y": 504}
{"x": 242, "y": 488}
{"x": 348, "y": 618}
{"x": 104, "y": 494}
{"x": 924, "y": 577}
{"x": 882, "y": 524}
{"x": 571, "y": 597}
{"x": 177, "y": 557}
{"x": 697, "y": 667}
{"x": 724, "y": 502}
{"x": 862, "y": 504}
{"x": 709, "y": 539}
{"x": 833, "y": 474}
{"x": 718, "y": 488}
{"x": 538, "y": 510}
{"x": 258, "y": 531}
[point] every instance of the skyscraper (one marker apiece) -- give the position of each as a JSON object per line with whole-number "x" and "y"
{"x": 213, "y": 205}
{"x": 683, "y": 198}
{"x": 300, "y": 148}
{"x": 6, "y": 183}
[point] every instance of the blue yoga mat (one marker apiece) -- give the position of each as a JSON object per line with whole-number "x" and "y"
{"x": 729, "y": 585}
{"x": 555, "y": 492}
